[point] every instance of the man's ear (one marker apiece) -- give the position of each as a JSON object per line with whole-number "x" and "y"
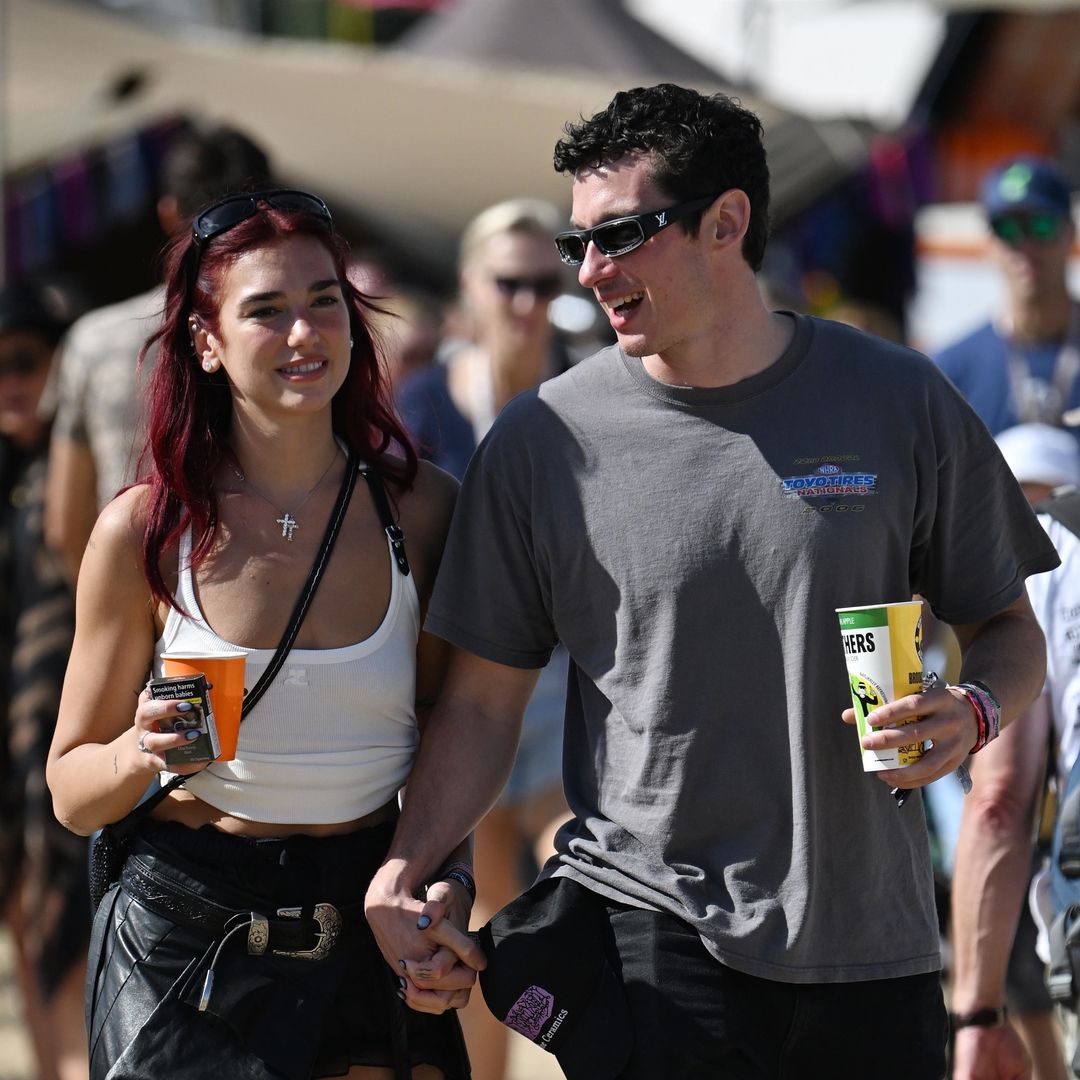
{"x": 729, "y": 217}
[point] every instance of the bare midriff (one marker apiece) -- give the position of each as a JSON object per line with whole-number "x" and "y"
{"x": 190, "y": 810}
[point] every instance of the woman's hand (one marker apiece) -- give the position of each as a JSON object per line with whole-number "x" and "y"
{"x": 161, "y": 726}
{"x": 442, "y": 980}
{"x": 424, "y": 942}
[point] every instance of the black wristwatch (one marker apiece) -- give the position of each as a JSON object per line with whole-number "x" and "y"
{"x": 984, "y": 1017}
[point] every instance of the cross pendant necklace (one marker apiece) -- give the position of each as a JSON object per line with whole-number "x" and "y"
{"x": 288, "y": 524}
{"x": 287, "y": 521}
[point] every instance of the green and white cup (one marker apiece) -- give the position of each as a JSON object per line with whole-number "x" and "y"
{"x": 883, "y": 649}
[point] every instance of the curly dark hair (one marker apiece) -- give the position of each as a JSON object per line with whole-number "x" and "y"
{"x": 701, "y": 145}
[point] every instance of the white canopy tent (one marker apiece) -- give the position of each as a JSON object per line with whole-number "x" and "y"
{"x": 415, "y": 142}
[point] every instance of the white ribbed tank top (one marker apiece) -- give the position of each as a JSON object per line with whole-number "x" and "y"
{"x": 334, "y": 736}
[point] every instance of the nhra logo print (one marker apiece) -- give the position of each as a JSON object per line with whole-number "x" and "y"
{"x": 829, "y": 480}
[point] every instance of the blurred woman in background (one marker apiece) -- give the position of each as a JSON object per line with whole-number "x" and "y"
{"x": 43, "y": 868}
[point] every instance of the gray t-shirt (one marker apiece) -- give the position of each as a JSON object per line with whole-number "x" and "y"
{"x": 100, "y": 387}
{"x": 689, "y": 546}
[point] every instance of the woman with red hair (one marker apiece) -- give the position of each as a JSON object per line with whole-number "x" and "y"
{"x": 235, "y": 940}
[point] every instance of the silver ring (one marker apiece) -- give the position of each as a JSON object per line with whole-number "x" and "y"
{"x": 142, "y": 746}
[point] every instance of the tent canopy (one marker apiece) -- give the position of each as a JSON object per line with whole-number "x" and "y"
{"x": 416, "y": 142}
{"x": 598, "y": 36}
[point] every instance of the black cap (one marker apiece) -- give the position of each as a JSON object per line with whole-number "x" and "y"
{"x": 550, "y": 978}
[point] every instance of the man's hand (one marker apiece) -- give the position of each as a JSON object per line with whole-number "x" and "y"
{"x": 990, "y": 1053}
{"x": 425, "y": 942}
{"x": 943, "y": 716}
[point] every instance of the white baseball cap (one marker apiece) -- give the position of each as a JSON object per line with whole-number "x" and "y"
{"x": 1041, "y": 454}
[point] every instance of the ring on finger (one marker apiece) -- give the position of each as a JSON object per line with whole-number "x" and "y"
{"x": 142, "y": 745}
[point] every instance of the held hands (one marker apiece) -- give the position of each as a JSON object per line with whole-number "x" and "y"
{"x": 425, "y": 941}
{"x": 151, "y": 717}
{"x": 941, "y": 715}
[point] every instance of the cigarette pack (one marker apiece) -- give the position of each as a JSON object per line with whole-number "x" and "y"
{"x": 195, "y": 689}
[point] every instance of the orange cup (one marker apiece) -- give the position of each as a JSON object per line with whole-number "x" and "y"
{"x": 224, "y": 673}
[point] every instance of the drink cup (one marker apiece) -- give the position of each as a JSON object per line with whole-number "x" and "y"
{"x": 225, "y": 675}
{"x": 883, "y": 649}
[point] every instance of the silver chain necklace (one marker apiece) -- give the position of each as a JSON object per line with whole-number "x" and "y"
{"x": 287, "y": 521}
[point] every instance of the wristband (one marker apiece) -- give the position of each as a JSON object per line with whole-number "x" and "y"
{"x": 461, "y": 873}
{"x": 985, "y": 1017}
{"x": 987, "y": 712}
{"x": 994, "y": 710}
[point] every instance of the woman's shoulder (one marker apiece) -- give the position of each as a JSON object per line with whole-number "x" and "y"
{"x": 122, "y": 522}
{"x": 112, "y": 567}
{"x": 429, "y": 503}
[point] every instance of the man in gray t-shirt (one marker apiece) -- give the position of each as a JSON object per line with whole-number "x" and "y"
{"x": 685, "y": 510}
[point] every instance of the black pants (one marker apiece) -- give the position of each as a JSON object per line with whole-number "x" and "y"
{"x": 695, "y": 1019}
{"x": 268, "y": 1017}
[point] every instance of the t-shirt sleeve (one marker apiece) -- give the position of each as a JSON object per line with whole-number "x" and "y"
{"x": 70, "y": 419}
{"x": 976, "y": 539}
{"x": 490, "y": 598}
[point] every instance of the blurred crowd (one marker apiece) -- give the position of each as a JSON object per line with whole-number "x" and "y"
{"x": 71, "y": 436}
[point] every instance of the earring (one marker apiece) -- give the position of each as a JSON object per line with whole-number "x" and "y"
{"x": 351, "y": 343}
{"x": 208, "y": 365}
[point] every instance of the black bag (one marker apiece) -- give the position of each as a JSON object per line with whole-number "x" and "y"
{"x": 109, "y": 847}
{"x": 108, "y": 852}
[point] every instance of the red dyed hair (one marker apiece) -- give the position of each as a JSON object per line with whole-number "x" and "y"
{"x": 190, "y": 410}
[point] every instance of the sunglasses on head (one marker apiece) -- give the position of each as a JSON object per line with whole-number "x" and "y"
{"x": 1040, "y": 226}
{"x": 543, "y": 287}
{"x": 622, "y": 235}
{"x": 230, "y": 211}
{"x": 22, "y": 362}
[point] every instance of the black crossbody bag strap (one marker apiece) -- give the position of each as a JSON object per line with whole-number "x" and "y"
{"x": 337, "y": 516}
{"x": 386, "y": 518}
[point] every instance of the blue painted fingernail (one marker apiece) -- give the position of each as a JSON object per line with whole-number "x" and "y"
{"x": 189, "y": 735}
{"x": 423, "y": 922}
{"x": 402, "y": 982}
{"x": 401, "y": 994}
{"x": 401, "y": 964}
{"x": 183, "y": 706}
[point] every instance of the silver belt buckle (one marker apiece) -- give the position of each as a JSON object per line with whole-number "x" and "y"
{"x": 329, "y": 919}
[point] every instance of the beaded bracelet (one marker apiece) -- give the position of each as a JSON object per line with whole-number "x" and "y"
{"x": 987, "y": 712}
{"x": 981, "y": 727}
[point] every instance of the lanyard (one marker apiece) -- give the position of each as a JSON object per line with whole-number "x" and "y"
{"x": 1039, "y": 400}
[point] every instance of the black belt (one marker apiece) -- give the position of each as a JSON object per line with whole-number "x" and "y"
{"x": 302, "y": 933}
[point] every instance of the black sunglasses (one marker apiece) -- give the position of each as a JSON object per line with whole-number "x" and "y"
{"x": 1040, "y": 226}
{"x": 622, "y": 235}
{"x": 229, "y": 212}
{"x": 544, "y": 287}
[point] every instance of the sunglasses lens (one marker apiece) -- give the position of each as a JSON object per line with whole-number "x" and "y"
{"x": 1042, "y": 227}
{"x": 224, "y": 216}
{"x": 619, "y": 237}
{"x": 571, "y": 248}
{"x": 546, "y": 287}
{"x": 228, "y": 213}
{"x": 299, "y": 200}
{"x": 1039, "y": 227}
{"x": 543, "y": 288}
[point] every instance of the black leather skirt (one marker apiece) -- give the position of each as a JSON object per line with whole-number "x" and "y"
{"x": 297, "y": 987}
